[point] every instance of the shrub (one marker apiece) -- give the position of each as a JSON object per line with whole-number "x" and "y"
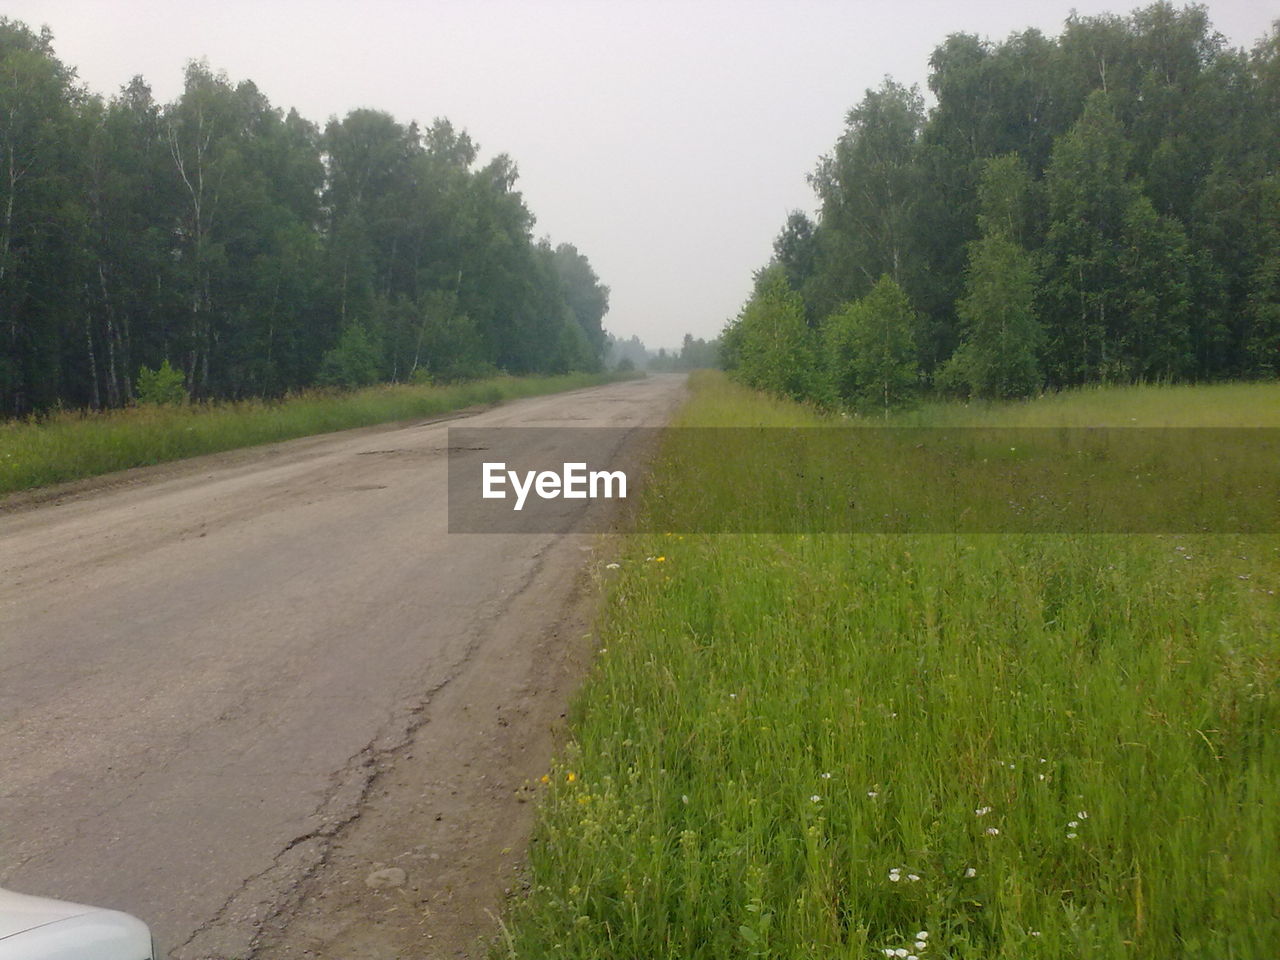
{"x": 161, "y": 386}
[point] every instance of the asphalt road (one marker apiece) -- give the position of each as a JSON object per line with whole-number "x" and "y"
{"x": 204, "y": 667}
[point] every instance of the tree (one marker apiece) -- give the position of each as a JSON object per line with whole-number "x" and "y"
{"x": 1116, "y": 291}
{"x": 1089, "y": 191}
{"x": 1154, "y": 268}
{"x": 796, "y": 250}
{"x": 871, "y": 352}
{"x": 770, "y": 344}
{"x": 1262, "y": 309}
{"x": 869, "y": 187}
{"x": 1002, "y": 337}
{"x": 586, "y": 297}
{"x": 41, "y": 222}
{"x": 132, "y": 205}
{"x": 998, "y": 356}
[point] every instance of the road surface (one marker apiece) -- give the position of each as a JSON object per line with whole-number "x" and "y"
{"x": 265, "y": 702}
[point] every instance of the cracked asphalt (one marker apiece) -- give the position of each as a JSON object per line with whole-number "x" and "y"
{"x": 232, "y": 688}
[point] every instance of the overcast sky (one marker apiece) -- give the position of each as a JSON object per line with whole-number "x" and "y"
{"x": 666, "y": 140}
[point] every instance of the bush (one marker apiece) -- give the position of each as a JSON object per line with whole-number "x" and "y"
{"x": 162, "y": 386}
{"x": 352, "y": 363}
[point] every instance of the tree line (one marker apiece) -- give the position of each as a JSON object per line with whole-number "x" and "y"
{"x": 252, "y": 252}
{"x": 694, "y": 354}
{"x": 1101, "y": 206}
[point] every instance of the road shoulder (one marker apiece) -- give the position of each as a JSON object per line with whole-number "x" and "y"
{"x": 439, "y": 842}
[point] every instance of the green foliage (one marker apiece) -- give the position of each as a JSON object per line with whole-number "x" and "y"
{"x": 1089, "y": 192}
{"x": 1262, "y": 311}
{"x": 870, "y": 350}
{"x": 868, "y": 188}
{"x": 770, "y": 345}
{"x": 998, "y": 358}
{"x": 161, "y": 386}
{"x": 1004, "y": 198}
{"x": 1129, "y": 157}
{"x": 75, "y": 444}
{"x": 695, "y": 354}
{"x": 40, "y": 217}
{"x": 353, "y": 362}
{"x": 1116, "y": 292}
{"x": 586, "y": 297}
{"x": 796, "y": 249}
{"x": 819, "y": 746}
{"x": 243, "y": 241}
{"x": 1154, "y": 269}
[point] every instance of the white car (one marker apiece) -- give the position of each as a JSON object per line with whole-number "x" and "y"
{"x": 36, "y": 928}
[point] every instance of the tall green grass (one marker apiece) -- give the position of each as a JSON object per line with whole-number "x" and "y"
{"x": 70, "y": 446}
{"x": 994, "y": 746}
{"x": 1210, "y": 405}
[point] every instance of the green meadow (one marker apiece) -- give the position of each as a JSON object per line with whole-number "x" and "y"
{"x": 74, "y": 445}
{"x": 933, "y": 746}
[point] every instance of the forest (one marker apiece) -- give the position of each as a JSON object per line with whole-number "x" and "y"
{"x": 1100, "y": 206}
{"x": 226, "y": 248}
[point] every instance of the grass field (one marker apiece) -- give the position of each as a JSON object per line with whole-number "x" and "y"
{"x": 937, "y": 746}
{"x": 70, "y": 446}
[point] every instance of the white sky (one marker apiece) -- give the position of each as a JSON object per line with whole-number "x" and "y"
{"x": 666, "y": 140}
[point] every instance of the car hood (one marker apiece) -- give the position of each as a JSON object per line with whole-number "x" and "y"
{"x": 19, "y": 912}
